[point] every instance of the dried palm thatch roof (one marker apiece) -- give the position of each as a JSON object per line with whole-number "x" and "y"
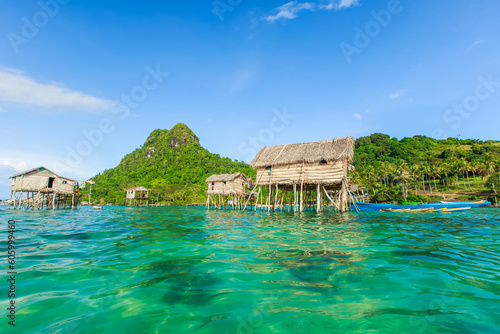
{"x": 328, "y": 150}
{"x": 41, "y": 169}
{"x": 226, "y": 177}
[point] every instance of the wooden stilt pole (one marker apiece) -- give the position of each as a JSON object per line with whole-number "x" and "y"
{"x": 257, "y": 199}
{"x": 294, "y": 198}
{"x": 318, "y": 198}
{"x": 261, "y": 200}
{"x": 282, "y": 198}
{"x": 275, "y": 198}
{"x": 331, "y": 200}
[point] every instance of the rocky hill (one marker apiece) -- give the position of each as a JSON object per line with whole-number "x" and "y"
{"x": 171, "y": 163}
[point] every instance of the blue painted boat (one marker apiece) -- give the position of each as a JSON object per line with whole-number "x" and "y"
{"x": 466, "y": 203}
{"x": 377, "y": 207}
{"x": 428, "y": 210}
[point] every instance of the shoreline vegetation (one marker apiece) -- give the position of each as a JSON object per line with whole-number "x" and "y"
{"x": 175, "y": 166}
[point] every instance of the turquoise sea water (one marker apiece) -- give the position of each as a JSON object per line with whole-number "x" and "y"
{"x": 176, "y": 270}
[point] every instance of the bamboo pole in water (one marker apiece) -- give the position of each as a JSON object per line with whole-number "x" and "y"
{"x": 318, "y": 198}
{"x": 294, "y": 198}
{"x": 276, "y": 203}
{"x": 331, "y": 200}
{"x": 257, "y": 200}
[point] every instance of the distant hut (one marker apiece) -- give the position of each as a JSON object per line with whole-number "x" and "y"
{"x": 137, "y": 196}
{"x": 39, "y": 187}
{"x": 305, "y": 175}
{"x": 224, "y": 188}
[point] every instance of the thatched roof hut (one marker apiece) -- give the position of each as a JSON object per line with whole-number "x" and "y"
{"x": 308, "y": 153}
{"x": 43, "y": 180}
{"x": 227, "y": 184}
{"x": 321, "y": 162}
{"x": 137, "y": 193}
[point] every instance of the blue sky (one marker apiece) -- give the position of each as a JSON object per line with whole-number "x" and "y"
{"x": 241, "y": 74}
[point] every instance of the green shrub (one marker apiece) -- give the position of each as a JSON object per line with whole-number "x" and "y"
{"x": 493, "y": 179}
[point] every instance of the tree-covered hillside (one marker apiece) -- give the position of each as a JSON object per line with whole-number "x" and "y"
{"x": 174, "y": 166}
{"x": 171, "y": 163}
{"x": 397, "y": 169}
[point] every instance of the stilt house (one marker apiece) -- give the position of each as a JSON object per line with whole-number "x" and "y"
{"x": 225, "y": 188}
{"x": 137, "y": 196}
{"x": 39, "y": 187}
{"x": 306, "y": 176}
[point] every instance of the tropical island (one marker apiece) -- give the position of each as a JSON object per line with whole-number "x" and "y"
{"x": 174, "y": 166}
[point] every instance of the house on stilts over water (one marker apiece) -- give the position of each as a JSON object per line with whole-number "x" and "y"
{"x": 40, "y": 188}
{"x": 137, "y": 196}
{"x": 304, "y": 177}
{"x": 226, "y": 190}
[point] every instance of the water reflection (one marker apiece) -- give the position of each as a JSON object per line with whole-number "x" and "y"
{"x": 178, "y": 269}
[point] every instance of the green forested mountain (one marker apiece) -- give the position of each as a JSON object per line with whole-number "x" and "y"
{"x": 171, "y": 163}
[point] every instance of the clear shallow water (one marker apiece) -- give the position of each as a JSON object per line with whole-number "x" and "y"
{"x": 122, "y": 270}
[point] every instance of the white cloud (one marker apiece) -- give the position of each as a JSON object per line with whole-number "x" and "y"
{"x": 290, "y": 10}
{"x": 19, "y": 161}
{"x": 16, "y": 87}
{"x": 18, "y": 166}
{"x": 476, "y": 43}
{"x": 396, "y": 95}
{"x": 339, "y": 4}
{"x": 23, "y": 160}
{"x": 358, "y": 117}
{"x": 241, "y": 78}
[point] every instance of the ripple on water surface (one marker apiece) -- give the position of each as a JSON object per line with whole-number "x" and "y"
{"x": 175, "y": 269}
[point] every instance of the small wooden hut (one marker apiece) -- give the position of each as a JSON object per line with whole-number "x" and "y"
{"x": 307, "y": 176}
{"x": 226, "y": 189}
{"x": 40, "y": 188}
{"x": 137, "y": 196}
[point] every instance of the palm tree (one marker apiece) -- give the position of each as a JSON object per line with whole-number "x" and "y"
{"x": 493, "y": 164}
{"x": 456, "y": 170}
{"x": 465, "y": 168}
{"x": 433, "y": 169}
{"x": 414, "y": 172}
{"x": 422, "y": 171}
{"x": 387, "y": 170}
{"x": 369, "y": 172}
{"x": 445, "y": 169}
{"x": 427, "y": 172}
{"x": 474, "y": 168}
{"x": 488, "y": 161}
{"x": 400, "y": 168}
{"x": 481, "y": 168}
